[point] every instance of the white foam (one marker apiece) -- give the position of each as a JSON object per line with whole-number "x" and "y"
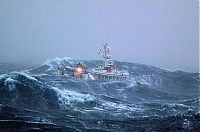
{"x": 143, "y": 79}
{"x": 186, "y": 124}
{"x": 132, "y": 82}
{"x": 11, "y": 83}
{"x": 41, "y": 74}
{"x": 120, "y": 107}
{"x": 58, "y": 61}
{"x": 26, "y": 75}
{"x": 68, "y": 97}
{"x": 149, "y": 80}
{"x": 3, "y": 76}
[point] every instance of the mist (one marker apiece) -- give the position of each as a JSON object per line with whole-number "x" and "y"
{"x": 154, "y": 32}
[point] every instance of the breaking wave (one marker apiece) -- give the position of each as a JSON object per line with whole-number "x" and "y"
{"x": 60, "y": 103}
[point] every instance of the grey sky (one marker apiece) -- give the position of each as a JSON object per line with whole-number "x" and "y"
{"x": 162, "y": 33}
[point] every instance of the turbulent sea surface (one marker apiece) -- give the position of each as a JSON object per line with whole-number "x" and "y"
{"x": 153, "y": 99}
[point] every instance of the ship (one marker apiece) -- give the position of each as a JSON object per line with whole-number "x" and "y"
{"x": 109, "y": 70}
{"x": 106, "y": 71}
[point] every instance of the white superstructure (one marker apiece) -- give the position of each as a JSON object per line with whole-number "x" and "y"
{"x": 108, "y": 71}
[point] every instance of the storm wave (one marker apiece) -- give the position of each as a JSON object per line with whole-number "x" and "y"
{"x": 63, "y": 103}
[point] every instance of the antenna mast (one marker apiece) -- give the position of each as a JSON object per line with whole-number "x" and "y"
{"x": 106, "y": 55}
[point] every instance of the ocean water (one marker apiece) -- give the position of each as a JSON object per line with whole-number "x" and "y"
{"x": 37, "y": 99}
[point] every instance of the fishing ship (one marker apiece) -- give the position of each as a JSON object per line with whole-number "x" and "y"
{"x": 106, "y": 71}
{"x": 109, "y": 70}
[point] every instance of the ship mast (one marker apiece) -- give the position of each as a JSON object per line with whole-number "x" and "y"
{"x": 107, "y": 56}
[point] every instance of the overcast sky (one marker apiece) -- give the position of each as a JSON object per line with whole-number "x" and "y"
{"x": 161, "y": 33}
